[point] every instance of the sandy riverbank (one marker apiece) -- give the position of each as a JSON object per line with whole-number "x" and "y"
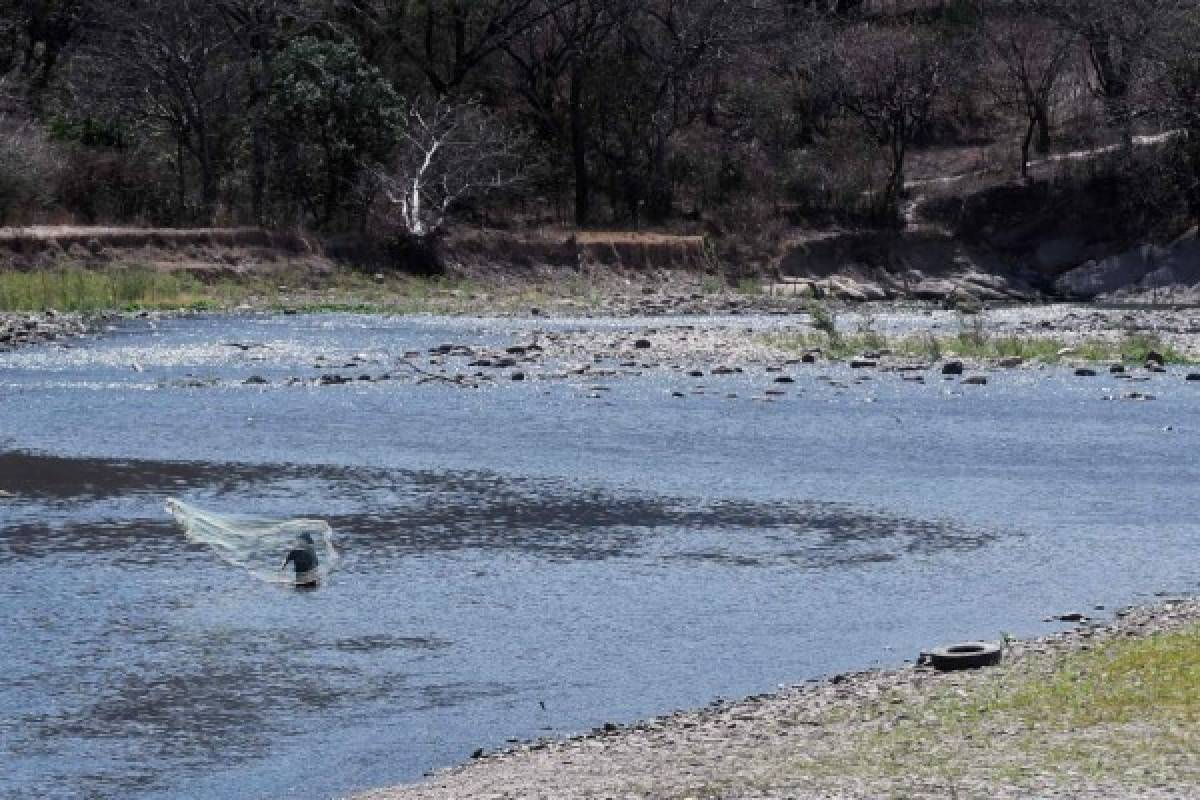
{"x": 912, "y": 732}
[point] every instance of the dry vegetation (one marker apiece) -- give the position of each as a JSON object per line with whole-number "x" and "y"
{"x": 739, "y": 120}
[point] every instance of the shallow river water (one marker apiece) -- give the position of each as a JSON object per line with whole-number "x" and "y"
{"x": 530, "y": 559}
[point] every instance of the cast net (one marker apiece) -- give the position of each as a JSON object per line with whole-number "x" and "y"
{"x": 260, "y": 546}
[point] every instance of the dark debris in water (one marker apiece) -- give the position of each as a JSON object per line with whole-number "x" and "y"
{"x": 394, "y": 513}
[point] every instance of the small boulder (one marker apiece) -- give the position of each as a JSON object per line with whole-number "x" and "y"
{"x": 953, "y": 368}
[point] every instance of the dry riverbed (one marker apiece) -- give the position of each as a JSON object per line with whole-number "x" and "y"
{"x": 1130, "y": 348}
{"x": 1066, "y": 715}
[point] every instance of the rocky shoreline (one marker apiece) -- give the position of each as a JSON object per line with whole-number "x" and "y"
{"x": 18, "y": 329}
{"x": 792, "y": 744}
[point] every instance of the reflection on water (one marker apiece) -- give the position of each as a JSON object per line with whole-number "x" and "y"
{"x": 519, "y": 561}
{"x": 453, "y": 512}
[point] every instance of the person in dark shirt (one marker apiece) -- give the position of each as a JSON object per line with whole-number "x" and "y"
{"x": 303, "y": 557}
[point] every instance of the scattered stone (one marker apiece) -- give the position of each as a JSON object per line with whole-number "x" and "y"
{"x": 1155, "y": 357}
{"x": 1117, "y": 369}
{"x": 1194, "y": 376}
{"x": 785, "y": 379}
{"x": 642, "y": 344}
{"x": 809, "y": 358}
{"x": 953, "y": 368}
{"x": 975, "y": 380}
{"x": 863, "y": 363}
{"x": 518, "y": 376}
{"x": 256, "y": 380}
{"x": 1012, "y": 362}
{"x": 1084, "y": 372}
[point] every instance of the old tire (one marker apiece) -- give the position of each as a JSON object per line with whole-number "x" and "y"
{"x": 965, "y": 655}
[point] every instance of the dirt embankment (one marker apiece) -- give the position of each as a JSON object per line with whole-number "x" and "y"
{"x": 231, "y": 252}
{"x": 926, "y": 262}
{"x": 207, "y": 253}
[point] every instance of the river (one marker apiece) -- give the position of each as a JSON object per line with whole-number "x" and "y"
{"x": 528, "y": 559}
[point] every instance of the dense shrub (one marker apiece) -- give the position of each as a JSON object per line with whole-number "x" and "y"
{"x": 29, "y": 165}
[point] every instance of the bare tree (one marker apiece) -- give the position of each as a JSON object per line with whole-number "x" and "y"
{"x": 554, "y": 64}
{"x": 168, "y": 66}
{"x": 889, "y": 80}
{"x": 1033, "y": 52}
{"x": 1120, "y": 39}
{"x": 29, "y": 165}
{"x": 665, "y": 72}
{"x": 39, "y": 34}
{"x": 258, "y": 29}
{"x": 447, "y": 153}
{"x": 448, "y": 40}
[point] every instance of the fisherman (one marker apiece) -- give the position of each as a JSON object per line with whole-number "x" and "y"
{"x": 303, "y": 557}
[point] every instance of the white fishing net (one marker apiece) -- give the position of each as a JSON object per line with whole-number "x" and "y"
{"x": 293, "y": 551}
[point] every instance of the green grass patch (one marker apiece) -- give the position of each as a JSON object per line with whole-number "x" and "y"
{"x": 91, "y": 290}
{"x": 1131, "y": 349}
{"x": 1121, "y": 682}
{"x": 1125, "y": 713}
{"x": 133, "y": 287}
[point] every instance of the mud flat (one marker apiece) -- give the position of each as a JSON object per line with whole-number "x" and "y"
{"x": 911, "y": 732}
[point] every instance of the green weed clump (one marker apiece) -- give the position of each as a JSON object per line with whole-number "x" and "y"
{"x": 1124, "y": 713}
{"x": 1120, "y": 682}
{"x": 971, "y": 343}
{"x": 100, "y": 290}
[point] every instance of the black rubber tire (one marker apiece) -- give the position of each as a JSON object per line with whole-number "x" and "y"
{"x": 965, "y": 655}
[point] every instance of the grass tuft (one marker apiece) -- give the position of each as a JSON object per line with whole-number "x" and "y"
{"x": 89, "y": 290}
{"x": 972, "y": 343}
{"x": 1124, "y": 713}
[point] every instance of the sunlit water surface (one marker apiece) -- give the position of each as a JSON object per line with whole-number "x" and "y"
{"x": 531, "y": 559}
